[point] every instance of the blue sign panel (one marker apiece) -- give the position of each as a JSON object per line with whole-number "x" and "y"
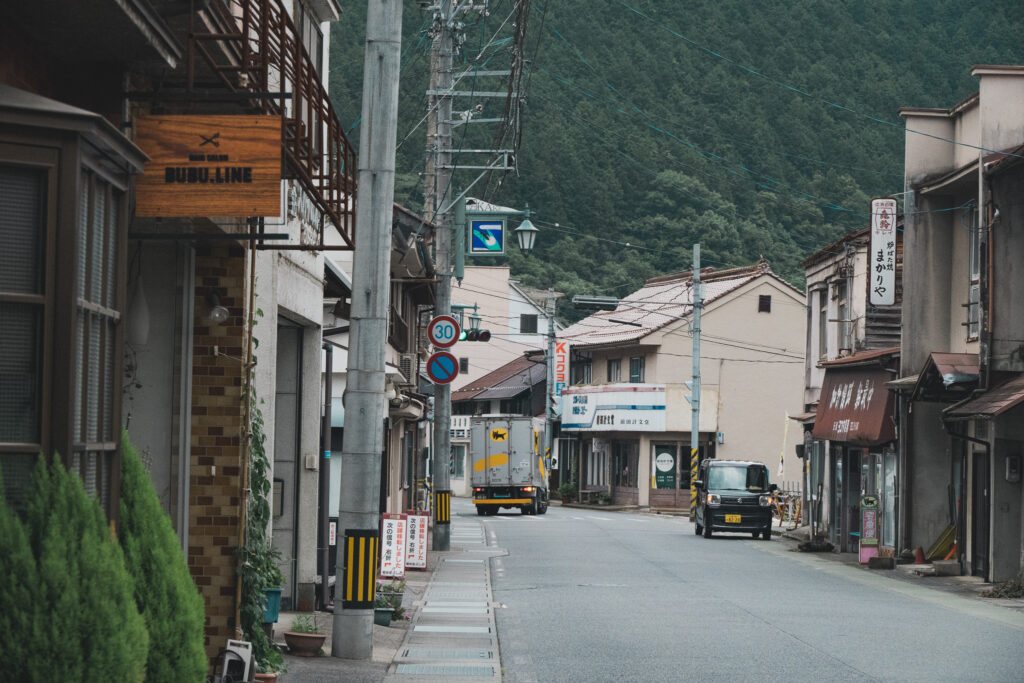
{"x": 487, "y": 236}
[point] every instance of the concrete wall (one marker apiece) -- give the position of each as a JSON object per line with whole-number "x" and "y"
{"x": 499, "y": 307}
{"x": 1007, "y": 236}
{"x": 930, "y": 464}
{"x": 1007, "y": 541}
{"x": 1002, "y": 106}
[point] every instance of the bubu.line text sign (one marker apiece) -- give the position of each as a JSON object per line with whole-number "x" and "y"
{"x": 226, "y": 166}
{"x": 882, "y": 263}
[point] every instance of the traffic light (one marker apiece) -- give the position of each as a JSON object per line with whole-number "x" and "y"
{"x": 475, "y": 335}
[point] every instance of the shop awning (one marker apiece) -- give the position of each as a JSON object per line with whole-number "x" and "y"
{"x": 947, "y": 377}
{"x": 803, "y": 418}
{"x": 855, "y": 406}
{"x": 992, "y": 403}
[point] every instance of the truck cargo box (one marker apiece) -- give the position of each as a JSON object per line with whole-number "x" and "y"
{"x": 508, "y": 468}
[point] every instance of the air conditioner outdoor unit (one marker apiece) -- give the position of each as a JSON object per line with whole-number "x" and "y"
{"x": 409, "y": 366}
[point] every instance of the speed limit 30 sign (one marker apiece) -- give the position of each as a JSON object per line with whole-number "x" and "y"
{"x": 443, "y": 331}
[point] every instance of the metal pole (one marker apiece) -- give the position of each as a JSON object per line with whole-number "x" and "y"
{"x": 439, "y": 167}
{"x": 550, "y": 384}
{"x": 695, "y": 389}
{"x": 364, "y": 393}
{"x": 323, "y": 540}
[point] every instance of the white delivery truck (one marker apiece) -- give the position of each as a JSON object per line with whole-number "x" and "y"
{"x": 508, "y": 468}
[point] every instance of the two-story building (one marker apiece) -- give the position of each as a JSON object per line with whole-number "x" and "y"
{"x": 961, "y": 435}
{"x": 852, "y": 355}
{"x": 182, "y": 164}
{"x": 627, "y": 405}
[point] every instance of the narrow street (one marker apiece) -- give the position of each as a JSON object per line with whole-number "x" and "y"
{"x": 587, "y": 595}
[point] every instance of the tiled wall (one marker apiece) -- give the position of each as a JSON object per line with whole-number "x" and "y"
{"x": 217, "y": 415}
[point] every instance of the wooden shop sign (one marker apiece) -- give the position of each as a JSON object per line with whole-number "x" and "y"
{"x": 209, "y": 166}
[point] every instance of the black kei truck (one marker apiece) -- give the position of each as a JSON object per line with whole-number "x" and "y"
{"x": 734, "y": 496}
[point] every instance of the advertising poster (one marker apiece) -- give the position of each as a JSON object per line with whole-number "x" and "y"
{"x": 392, "y": 546}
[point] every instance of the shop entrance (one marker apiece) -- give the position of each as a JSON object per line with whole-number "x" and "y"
{"x": 980, "y": 514}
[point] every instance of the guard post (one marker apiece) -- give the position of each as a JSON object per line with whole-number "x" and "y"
{"x": 361, "y": 552}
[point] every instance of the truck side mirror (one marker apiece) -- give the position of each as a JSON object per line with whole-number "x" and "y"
{"x": 698, "y": 483}
{"x": 773, "y": 487}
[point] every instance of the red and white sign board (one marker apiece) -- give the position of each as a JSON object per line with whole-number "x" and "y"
{"x": 333, "y": 534}
{"x": 882, "y": 261}
{"x": 416, "y": 548}
{"x": 442, "y": 367}
{"x": 443, "y": 331}
{"x": 392, "y": 546}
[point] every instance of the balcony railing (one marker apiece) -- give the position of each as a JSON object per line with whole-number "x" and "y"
{"x": 253, "y": 47}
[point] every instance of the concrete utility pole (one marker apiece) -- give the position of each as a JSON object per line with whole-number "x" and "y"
{"x": 695, "y": 384}
{"x": 549, "y": 308}
{"x": 362, "y": 451}
{"x": 438, "y": 202}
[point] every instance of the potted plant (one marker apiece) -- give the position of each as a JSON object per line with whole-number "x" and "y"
{"x": 305, "y": 638}
{"x": 387, "y": 603}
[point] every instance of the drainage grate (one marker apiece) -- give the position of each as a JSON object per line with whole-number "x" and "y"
{"x": 433, "y": 670}
{"x": 446, "y": 653}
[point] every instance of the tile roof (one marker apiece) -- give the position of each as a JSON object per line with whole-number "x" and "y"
{"x": 660, "y": 301}
{"x": 502, "y": 376}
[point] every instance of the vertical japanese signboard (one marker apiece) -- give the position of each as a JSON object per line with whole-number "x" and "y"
{"x": 882, "y": 263}
{"x": 561, "y": 366}
{"x": 392, "y": 546}
{"x": 416, "y": 547}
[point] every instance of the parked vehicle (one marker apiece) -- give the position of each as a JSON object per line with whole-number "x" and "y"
{"x": 735, "y": 496}
{"x": 508, "y": 466}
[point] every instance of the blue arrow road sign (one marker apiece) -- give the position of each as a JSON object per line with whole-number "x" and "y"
{"x": 488, "y": 237}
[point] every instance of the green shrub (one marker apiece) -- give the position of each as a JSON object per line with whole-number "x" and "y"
{"x": 165, "y": 593}
{"x": 567, "y": 490}
{"x": 65, "y": 588}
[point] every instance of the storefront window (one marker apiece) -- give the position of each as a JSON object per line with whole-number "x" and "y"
{"x": 624, "y": 463}
{"x": 458, "y": 461}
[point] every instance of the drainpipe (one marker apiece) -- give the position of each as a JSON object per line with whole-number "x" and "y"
{"x": 323, "y": 540}
{"x": 984, "y": 293}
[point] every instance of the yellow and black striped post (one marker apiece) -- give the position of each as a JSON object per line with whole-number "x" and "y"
{"x": 443, "y": 507}
{"x": 362, "y": 550}
{"x": 694, "y": 467}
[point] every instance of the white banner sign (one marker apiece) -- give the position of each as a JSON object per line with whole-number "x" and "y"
{"x": 392, "y": 546}
{"x": 614, "y": 408}
{"x": 882, "y": 262}
{"x": 416, "y": 548}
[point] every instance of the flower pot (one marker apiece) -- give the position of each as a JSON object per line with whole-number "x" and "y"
{"x": 382, "y": 616}
{"x": 271, "y": 677}
{"x": 304, "y": 644}
{"x": 273, "y": 609}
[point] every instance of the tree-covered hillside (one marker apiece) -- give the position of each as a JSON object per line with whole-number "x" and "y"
{"x": 751, "y": 127}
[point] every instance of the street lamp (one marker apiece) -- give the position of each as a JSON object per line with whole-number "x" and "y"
{"x": 526, "y": 235}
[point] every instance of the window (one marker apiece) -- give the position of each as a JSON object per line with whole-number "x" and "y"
{"x": 764, "y": 303}
{"x": 312, "y": 38}
{"x": 614, "y": 370}
{"x": 463, "y": 365}
{"x": 822, "y": 323}
{"x": 457, "y": 466}
{"x": 625, "y": 458}
{"x": 843, "y": 314}
{"x": 528, "y": 323}
{"x": 515, "y": 406}
{"x": 582, "y": 371}
{"x": 23, "y": 229}
{"x": 974, "y": 280}
{"x": 636, "y": 369}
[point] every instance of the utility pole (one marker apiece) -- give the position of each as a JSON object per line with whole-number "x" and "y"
{"x": 550, "y": 384}
{"x": 362, "y": 451}
{"x": 695, "y": 384}
{"x": 438, "y": 201}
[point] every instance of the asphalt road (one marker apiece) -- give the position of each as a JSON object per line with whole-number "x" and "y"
{"x": 615, "y": 596}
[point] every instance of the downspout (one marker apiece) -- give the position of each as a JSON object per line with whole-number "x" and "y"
{"x": 984, "y": 281}
{"x": 246, "y": 431}
{"x": 325, "y": 477}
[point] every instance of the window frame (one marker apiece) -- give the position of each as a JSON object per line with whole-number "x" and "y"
{"x": 973, "y": 307}
{"x": 616, "y": 365}
{"x": 637, "y": 376}
{"x": 524, "y": 323}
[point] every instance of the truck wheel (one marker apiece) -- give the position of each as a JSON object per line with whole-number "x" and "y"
{"x": 697, "y": 528}
{"x": 707, "y": 529}
{"x": 766, "y": 534}
{"x": 544, "y": 508}
{"x": 480, "y": 510}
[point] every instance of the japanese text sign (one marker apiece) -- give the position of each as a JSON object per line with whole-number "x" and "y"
{"x": 392, "y": 546}
{"x": 882, "y": 261}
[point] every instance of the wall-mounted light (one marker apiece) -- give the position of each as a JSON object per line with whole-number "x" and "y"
{"x": 217, "y": 314}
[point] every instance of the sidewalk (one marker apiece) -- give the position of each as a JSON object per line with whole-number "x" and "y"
{"x": 449, "y": 630}
{"x": 916, "y": 574}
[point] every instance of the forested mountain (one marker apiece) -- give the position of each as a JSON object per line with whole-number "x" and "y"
{"x": 751, "y": 127}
